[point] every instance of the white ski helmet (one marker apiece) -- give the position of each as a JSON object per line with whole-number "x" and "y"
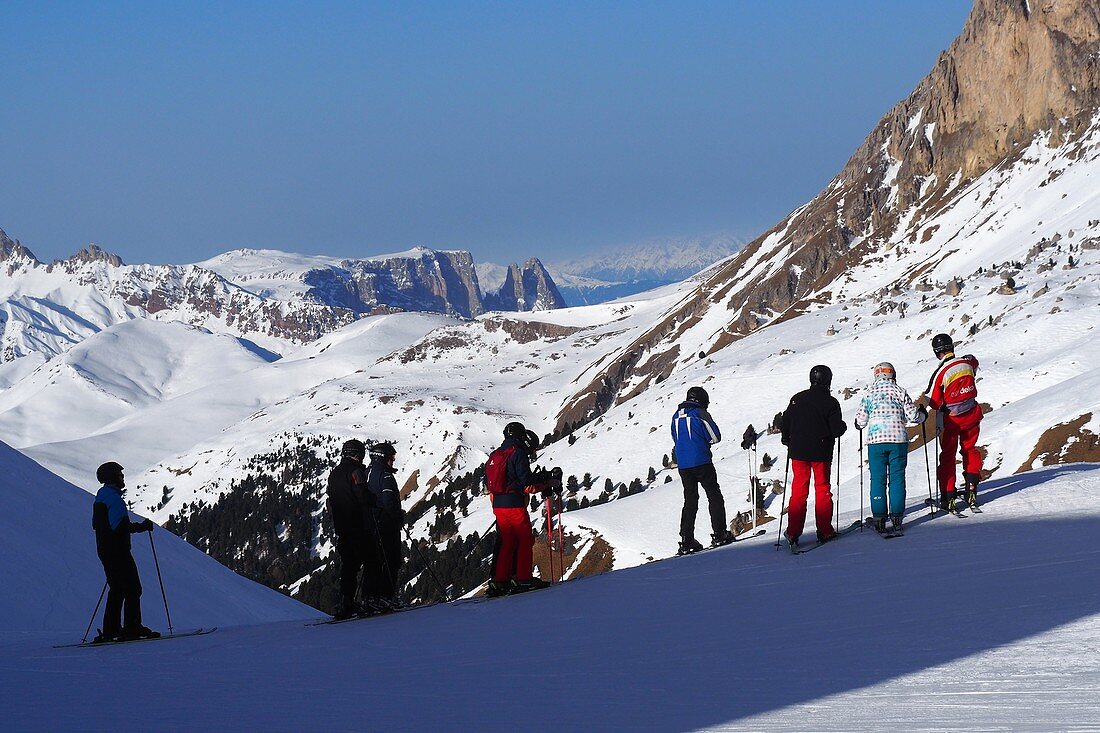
{"x": 885, "y": 369}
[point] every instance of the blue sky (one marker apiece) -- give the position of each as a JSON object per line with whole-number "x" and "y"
{"x": 169, "y": 132}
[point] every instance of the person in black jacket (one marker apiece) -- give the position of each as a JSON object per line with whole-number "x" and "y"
{"x": 809, "y": 426}
{"x": 112, "y": 525}
{"x": 351, "y": 506}
{"x": 387, "y": 517}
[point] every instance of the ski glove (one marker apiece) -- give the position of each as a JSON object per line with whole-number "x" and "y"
{"x": 146, "y": 525}
{"x": 922, "y": 414}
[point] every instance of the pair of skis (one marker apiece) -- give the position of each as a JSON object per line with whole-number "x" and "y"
{"x": 738, "y": 538}
{"x": 174, "y": 635}
{"x": 798, "y": 550}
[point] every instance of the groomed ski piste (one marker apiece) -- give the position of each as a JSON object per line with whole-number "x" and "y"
{"x": 988, "y": 623}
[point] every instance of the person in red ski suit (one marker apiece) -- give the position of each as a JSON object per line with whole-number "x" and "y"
{"x": 810, "y": 426}
{"x": 953, "y": 394}
{"x": 513, "y": 562}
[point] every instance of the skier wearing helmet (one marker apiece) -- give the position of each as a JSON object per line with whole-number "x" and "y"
{"x": 351, "y": 506}
{"x": 884, "y": 410}
{"x": 693, "y": 433}
{"x": 810, "y": 426}
{"x": 386, "y": 519}
{"x": 952, "y": 392}
{"x": 112, "y": 525}
{"x": 510, "y": 479}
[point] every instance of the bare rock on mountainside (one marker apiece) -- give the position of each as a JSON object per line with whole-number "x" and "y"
{"x": 1018, "y": 70}
{"x": 528, "y": 289}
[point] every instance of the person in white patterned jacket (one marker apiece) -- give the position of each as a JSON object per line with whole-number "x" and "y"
{"x": 884, "y": 411}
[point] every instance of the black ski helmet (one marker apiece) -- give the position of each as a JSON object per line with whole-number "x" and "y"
{"x": 531, "y": 442}
{"x": 353, "y": 449}
{"x": 110, "y": 473}
{"x": 384, "y": 451}
{"x": 821, "y": 376}
{"x": 698, "y": 394}
{"x": 942, "y": 344}
{"x": 515, "y": 430}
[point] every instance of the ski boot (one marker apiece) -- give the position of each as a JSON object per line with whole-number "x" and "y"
{"x": 721, "y": 538}
{"x": 689, "y": 546}
{"x": 377, "y": 606}
{"x": 523, "y": 586}
{"x": 823, "y": 537}
{"x": 104, "y": 637}
{"x": 947, "y": 503}
{"x": 497, "y": 589}
{"x": 134, "y": 633}
{"x": 895, "y": 523}
{"x": 880, "y": 525}
{"x": 348, "y": 608}
{"x": 972, "y": 490}
{"x": 792, "y": 542}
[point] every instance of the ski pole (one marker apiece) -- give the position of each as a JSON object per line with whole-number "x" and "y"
{"x": 862, "y": 520}
{"x": 561, "y": 537}
{"x": 428, "y": 567}
{"x": 160, "y": 580}
{"x": 479, "y": 541}
{"x": 927, "y": 468}
{"x": 92, "y": 619}
{"x": 550, "y": 535}
{"x": 783, "y": 499}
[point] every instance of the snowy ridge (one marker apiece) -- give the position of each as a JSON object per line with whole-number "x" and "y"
{"x": 53, "y": 575}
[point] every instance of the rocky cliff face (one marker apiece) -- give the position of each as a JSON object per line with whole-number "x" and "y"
{"x": 440, "y": 282}
{"x": 528, "y": 289}
{"x": 1019, "y": 71}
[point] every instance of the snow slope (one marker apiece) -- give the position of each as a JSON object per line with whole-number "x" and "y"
{"x": 52, "y": 576}
{"x": 988, "y": 623}
{"x": 141, "y": 438}
{"x": 114, "y": 373}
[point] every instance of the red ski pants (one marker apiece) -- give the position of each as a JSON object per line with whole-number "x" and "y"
{"x": 514, "y": 549}
{"x": 800, "y": 492}
{"x": 960, "y": 435}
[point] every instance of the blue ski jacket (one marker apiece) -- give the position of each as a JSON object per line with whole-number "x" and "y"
{"x": 693, "y": 433}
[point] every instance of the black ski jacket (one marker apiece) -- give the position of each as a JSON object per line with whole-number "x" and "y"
{"x": 383, "y": 488}
{"x": 810, "y": 424}
{"x": 350, "y": 501}
{"x": 518, "y": 477}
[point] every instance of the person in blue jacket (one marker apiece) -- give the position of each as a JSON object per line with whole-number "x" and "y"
{"x": 112, "y": 525}
{"x": 693, "y": 433}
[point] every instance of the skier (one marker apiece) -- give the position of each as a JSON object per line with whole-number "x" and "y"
{"x": 351, "y": 505}
{"x": 809, "y": 426}
{"x": 693, "y": 433}
{"x": 112, "y": 525}
{"x": 510, "y": 479}
{"x": 954, "y": 395}
{"x": 884, "y": 410}
{"x": 387, "y": 517}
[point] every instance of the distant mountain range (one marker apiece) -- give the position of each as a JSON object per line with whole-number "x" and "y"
{"x": 625, "y": 271}
{"x": 276, "y": 300}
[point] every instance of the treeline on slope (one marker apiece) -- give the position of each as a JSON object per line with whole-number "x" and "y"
{"x": 271, "y": 525}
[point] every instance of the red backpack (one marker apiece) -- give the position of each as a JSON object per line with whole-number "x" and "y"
{"x": 496, "y": 470}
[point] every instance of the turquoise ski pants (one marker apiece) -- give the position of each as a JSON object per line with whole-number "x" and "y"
{"x": 887, "y": 460}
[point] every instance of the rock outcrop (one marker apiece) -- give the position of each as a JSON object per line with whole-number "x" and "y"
{"x": 528, "y": 289}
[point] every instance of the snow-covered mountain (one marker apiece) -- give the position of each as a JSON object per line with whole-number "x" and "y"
{"x": 641, "y": 266}
{"x": 942, "y": 221}
{"x": 52, "y": 574}
{"x": 276, "y": 300}
{"x": 659, "y": 260}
